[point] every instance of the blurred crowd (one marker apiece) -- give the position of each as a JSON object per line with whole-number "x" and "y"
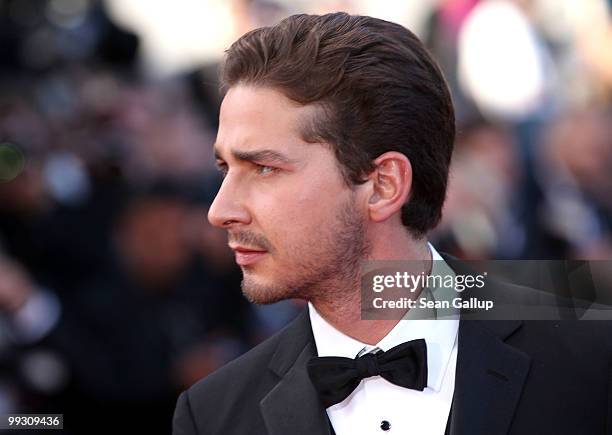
{"x": 115, "y": 292}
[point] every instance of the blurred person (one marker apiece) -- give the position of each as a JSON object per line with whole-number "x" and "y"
{"x": 146, "y": 326}
{"x": 14, "y": 288}
{"x": 508, "y": 68}
{"x": 86, "y": 135}
{"x": 30, "y": 373}
{"x": 575, "y": 174}
{"x": 41, "y": 35}
{"x": 335, "y": 140}
{"x": 483, "y": 222}
{"x": 441, "y": 37}
{"x": 49, "y": 206}
{"x": 503, "y": 63}
{"x": 21, "y": 304}
{"x": 592, "y": 36}
{"x": 150, "y": 116}
{"x": 134, "y": 333}
{"x": 245, "y": 15}
{"x": 25, "y": 208}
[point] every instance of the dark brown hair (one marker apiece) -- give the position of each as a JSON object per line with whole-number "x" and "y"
{"x": 378, "y": 88}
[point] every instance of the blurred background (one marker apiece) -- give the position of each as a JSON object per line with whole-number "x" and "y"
{"x": 116, "y": 294}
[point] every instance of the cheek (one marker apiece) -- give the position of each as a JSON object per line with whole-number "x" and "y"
{"x": 293, "y": 218}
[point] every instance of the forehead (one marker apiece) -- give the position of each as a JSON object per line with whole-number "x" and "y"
{"x": 255, "y": 116}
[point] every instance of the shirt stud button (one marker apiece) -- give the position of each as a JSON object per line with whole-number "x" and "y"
{"x": 385, "y": 425}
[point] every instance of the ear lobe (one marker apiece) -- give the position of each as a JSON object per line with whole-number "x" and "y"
{"x": 391, "y": 184}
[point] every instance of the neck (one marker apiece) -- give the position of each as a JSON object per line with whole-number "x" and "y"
{"x": 345, "y": 315}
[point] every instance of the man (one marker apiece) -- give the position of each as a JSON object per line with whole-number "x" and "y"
{"x": 335, "y": 138}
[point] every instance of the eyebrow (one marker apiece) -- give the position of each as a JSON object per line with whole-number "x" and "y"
{"x": 265, "y": 155}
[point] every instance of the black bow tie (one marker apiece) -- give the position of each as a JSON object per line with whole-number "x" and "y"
{"x": 335, "y": 378}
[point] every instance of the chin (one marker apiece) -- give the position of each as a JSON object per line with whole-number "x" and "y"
{"x": 264, "y": 293}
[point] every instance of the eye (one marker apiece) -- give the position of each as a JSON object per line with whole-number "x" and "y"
{"x": 265, "y": 170}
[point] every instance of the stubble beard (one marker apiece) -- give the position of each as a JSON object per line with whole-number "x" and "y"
{"x": 328, "y": 272}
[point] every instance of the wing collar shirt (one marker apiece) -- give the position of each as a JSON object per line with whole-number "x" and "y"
{"x": 377, "y": 406}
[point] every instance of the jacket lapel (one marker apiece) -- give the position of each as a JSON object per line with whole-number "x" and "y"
{"x": 489, "y": 378}
{"x": 490, "y": 373}
{"x": 293, "y": 405}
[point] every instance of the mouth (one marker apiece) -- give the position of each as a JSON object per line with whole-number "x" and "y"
{"x": 247, "y": 256}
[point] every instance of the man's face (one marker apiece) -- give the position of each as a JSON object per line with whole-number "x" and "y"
{"x": 296, "y": 228}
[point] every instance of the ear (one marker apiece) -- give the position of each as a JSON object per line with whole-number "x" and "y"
{"x": 391, "y": 182}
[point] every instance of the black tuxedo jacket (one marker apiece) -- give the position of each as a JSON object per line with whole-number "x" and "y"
{"x": 512, "y": 377}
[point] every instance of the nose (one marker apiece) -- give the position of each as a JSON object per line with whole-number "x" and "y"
{"x": 227, "y": 209}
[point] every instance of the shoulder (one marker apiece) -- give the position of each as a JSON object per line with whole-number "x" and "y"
{"x": 582, "y": 339}
{"x": 239, "y": 371}
{"x": 230, "y": 396}
{"x": 244, "y": 371}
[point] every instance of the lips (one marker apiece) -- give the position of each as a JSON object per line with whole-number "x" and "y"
{"x": 247, "y": 256}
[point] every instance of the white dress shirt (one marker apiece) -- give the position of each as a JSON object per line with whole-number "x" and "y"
{"x": 376, "y": 400}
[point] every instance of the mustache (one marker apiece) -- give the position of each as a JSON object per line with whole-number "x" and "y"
{"x": 250, "y": 239}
